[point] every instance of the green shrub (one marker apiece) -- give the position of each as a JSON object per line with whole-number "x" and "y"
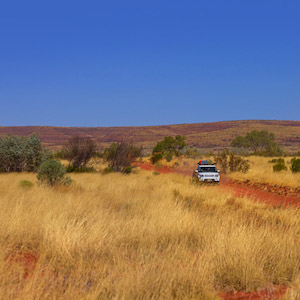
{"x": 19, "y": 154}
{"x": 156, "y": 157}
{"x": 259, "y": 142}
{"x": 168, "y": 156}
{"x": 52, "y": 172}
{"x": 168, "y": 147}
{"x": 276, "y": 160}
{"x": 128, "y": 170}
{"x": 155, "y": 173}
{"x": 26, "y": 184}
{"x": 107, "y": 170}
{"x": 279, "y": 166}
{"x": 295, "y": 167}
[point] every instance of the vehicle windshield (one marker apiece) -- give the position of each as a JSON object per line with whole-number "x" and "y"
{"x": 202, "y": 169}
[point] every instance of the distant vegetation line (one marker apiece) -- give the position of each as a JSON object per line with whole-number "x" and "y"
{"x": 213, "y": 136}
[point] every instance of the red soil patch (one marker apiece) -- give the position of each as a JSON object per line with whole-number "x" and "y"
{"x": 28, "y": 260}
{"x": 278, "y": 293}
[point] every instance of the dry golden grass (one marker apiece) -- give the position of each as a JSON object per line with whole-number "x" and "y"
{"x": 141, "y": 236}
{"x": 261, "y": 171}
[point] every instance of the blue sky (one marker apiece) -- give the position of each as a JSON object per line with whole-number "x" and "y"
{"x": 121, "y": 63}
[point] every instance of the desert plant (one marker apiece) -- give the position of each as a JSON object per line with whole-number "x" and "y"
{"x": 107, "y": 171}
{"x": 231, "y": 162}
{"x": 128, "y": 170}
{"x": 221, "y": 160}
{"x": 26, "y": 184}
{"x": 19, "y": 154}
{"x": 156, "y": 157}
{"x": 259, "y": 142}
{"x": 238, "y": 164}
{"x": 120, "y": 156}
{"x": 295, "y": 167}
{"x": 52, "y": 172}
{"x": 280, "y": 165}
{"x": 78, "y": 151}
{"x": 168, "y": 147}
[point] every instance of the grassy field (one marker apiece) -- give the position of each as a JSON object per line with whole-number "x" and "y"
{"x": 141, "y": 236}
{"x": 261, "y": 171}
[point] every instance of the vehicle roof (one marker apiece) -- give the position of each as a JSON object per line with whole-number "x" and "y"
{"x": 207, "y": 166}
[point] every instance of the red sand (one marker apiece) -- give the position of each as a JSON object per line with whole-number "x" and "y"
{"x": 277, "y": 293}
{"x": 28, "y": 260}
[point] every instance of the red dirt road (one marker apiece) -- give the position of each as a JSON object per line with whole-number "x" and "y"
{"x": 275, "y": 197}
{"x": 241, "y": 190}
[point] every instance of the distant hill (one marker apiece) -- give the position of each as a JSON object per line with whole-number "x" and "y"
{"x": 212, "y": 136}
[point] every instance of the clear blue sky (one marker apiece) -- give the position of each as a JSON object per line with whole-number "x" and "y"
{"x": 120, "y": 63}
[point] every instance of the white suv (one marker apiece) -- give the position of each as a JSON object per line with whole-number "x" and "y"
{"x": 207, "y": 172}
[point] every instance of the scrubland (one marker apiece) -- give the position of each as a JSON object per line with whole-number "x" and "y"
{"x": 261, "y": 171}
{"x": 141, "y": 236}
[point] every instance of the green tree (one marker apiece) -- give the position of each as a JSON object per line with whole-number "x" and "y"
{"x": 19, "y": 154}
{"x": 258, "y": 142}
{"x": 168, "y": 147}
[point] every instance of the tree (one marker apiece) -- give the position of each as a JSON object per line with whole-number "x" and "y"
{"x": 120, "y": 156}
{"x": 258, "y": 141}
{"x": 168, "y": 147}
{"x": 78, "y": 151}
{"x": 19, "y": 154}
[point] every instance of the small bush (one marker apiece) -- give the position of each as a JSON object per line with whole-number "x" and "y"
{"x": 26, "y": 184}
{"x": 231, "y": 162}
{"x": 238, "y": 164}
{"x": 128, "y": 170}
{"x": 155, "y": 173}
{"x": 221, "y": 160}
{"x": 52, "y": 172}
{"x": 107, "y": 170}
{"x": 276, "y": 160}
{"x": 79, "y": 151}
{"x": 120, "y": 156}
{"x": 295, "y": 167}
{"x": 279, "y": 166}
